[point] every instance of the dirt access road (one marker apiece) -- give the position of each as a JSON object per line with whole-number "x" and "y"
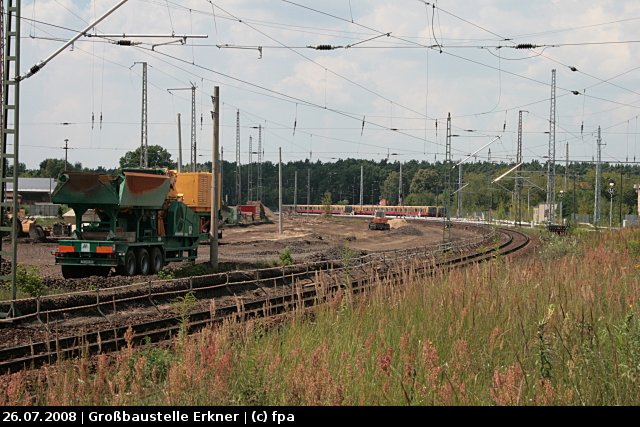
{"x": 307, "y": 237}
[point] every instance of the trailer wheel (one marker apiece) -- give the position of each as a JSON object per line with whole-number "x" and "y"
{"x": 157, "y": 260}
{"x": 129, "y": 267}
{"x": 78, "y": 272}
{"x": 69, "y": 272}
{"x": 142, "y": 261}
{"x": 101, "y": 271}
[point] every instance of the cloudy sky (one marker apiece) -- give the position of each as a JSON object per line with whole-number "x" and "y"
{"x": 399, "y": 67}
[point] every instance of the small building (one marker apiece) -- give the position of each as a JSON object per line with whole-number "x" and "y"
{"x": 541, "y": 212}
{"x": 32, "y": 190}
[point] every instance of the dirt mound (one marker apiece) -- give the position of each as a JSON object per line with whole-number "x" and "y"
{"x": 398, "y": 223}
{"x": 89, "y": 283}
{"x": 269, "y": 213}
{"x": 407, "y": 230}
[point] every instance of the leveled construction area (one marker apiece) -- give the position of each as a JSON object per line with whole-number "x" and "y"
{"x": 306, "y": 237}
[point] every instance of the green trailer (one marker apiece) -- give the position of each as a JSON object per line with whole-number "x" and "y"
{"x": 140, "y": 225}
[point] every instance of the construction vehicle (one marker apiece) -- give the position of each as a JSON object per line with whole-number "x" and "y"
{"x": 147, "y": 217}
{"x": 379, "y": 222}
{"x": 26, "y": 226}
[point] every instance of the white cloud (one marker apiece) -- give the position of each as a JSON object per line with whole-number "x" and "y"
{"x": 470, "y": 82}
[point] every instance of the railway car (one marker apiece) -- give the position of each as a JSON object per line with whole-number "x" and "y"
{"x": 390, "y": 211}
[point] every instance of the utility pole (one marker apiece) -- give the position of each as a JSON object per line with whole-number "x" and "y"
{"x": 221, "y": 172}
{"x": 636, "y": 187}
{"x": 309, "y": 186}
{"x": 179, "y": 144}
{"x": 361, "y": 185}
{"x": 215, "y": 185}
{"x": 459, "y": 212}
{"x": 194, "y": 154}
{"x": 144, "y": 147}
{"x": 400, "y": 187}
{"x": 66, "y": 151}
{"x": 238, "y": 178}
{"x": 566, "y": 166}
{"x": 249, "y": 177}
{"x": 621, "y": 196}
{"x": 280, "y": 190}
{"x": 260, "y": 162}
{"x": 596, "y": 209}
{"x": 551, "y": 161}
{"x": 295, "y": 190}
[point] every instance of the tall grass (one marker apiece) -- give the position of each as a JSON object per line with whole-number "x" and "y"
{"x": 560, "y": 328}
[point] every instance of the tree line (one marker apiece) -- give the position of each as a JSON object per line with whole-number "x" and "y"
{"x": 423, "y": 183}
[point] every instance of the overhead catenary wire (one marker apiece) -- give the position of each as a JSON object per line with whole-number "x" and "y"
{"x": 513, "y": 108}
{"x": 394, "y": 116}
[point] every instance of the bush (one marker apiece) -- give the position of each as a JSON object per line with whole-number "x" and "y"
{"x": 166, "y": 275}
{"x": 559, "y": 246}
{"x": 285, "y": 257}
{"x": 326, "y": 203}
{"x": 28, "y": 280}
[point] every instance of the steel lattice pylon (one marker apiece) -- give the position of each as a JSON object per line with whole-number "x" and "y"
{"x": 144, "y": 140}
{"x": 9, "y": 136}
{"x": 194, "y": 151}
{"x": 250, "y": 171}
{"x": 238, "y": 178}
{"x": 446, "y": 230}
{"x": 596, "y": 209}
{"x": 551, "y": 163}
{"x": 259, "y": 196}
{"x": 518, "y": 190}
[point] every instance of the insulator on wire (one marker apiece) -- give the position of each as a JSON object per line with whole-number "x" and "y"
{"x": 322, "y": 47}
{"x": 525, "y": 46}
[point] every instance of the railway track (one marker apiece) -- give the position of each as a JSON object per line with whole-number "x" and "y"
{"x": 303, "y": 291}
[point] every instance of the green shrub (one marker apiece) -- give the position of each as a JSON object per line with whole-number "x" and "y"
{"x": 285, "y": 257}
{"x": 634, "y": 248}
{"x": 28, "y": 280}
{"x": 559, "y": 246}
{"x": 326, "y": 203}
{"x": 166, "y": 275}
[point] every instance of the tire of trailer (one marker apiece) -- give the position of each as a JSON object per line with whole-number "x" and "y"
{"x": 129, "y": 267}
{"x": 101, "y": 271}
{"x": 80, "y": 272}
{"x": 143, "y": 263}
{"x": 157, "y": 260}
{"x": 69, "y": 271}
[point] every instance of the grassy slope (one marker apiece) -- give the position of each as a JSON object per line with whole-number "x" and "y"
{"x": 561, "y": 328}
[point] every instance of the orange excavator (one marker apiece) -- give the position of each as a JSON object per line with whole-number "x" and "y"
{"x": 379, "y": 222}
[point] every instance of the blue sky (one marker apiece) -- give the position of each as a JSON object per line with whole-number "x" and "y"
{"x": 402, "y": 84}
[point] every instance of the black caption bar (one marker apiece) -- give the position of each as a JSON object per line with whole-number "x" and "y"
{"x": 286, "y": 416}
{"x": 156, "y": 415}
